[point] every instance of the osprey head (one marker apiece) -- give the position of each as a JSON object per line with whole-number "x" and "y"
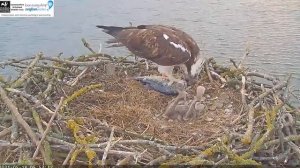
{"x": 193, "y": 70}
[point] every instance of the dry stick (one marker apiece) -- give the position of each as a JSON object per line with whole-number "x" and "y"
{"x": 123, "y": 131}
{"x": 49, "y": 88}
{"x": 223, "y": 80}
{"x": 5, "y": 131}
{"x": 125, "y": 161}
{"x": 38, "y": 122}
{"x": 241, "y": 115}
{"x": 108, "y": 145}
{"x": 273, "y": 89}
{"x": 4, "y": 143}
{"x": 47, "y": 128}
{"x": 30, "y": 97}
{"x": 74, "y": 63}
{"x": 158, "y": 160}
{"x": 27, "y": 73}
{"x": 105, "y": 59}
{"x": 15, "y": 128}
{"x": 295, "y": 148}
{"x": 57, "y": 141}
{"x": 247, "y": 136}
{"x": 130, "y": 142}
{"x": 277, "y": 158}
{"x": 208, "y": 72}
{"x": 261, "y": 75}
{"x": 110, "y": 152}
{"x": 4, "y": 63}
{"x": 234, "y": 63}
{"x": 44, "y": 66}
{"x": 243, "y": 91}
{"x": 78, "y": 77}
{"x": 18, "y": 83}
{"x": 87, "y": 45}
{"x": 35, "y": 115}
{"x": 225, "y": 159}
{"x": 65, "y": 147}
{"x": 69, "y": 155}
{"x": 247, "y": 52}
{"x": 17, "y": 115}
{"x": 151, "y": 143}
{"x": 19, "y": 118}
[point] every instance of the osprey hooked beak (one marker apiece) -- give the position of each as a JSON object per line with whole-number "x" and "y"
{"x": 192, "y": 73}
{"x": 190, "y": 80}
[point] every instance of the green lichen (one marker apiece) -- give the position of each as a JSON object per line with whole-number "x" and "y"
{"x": 80, "y": 92}
{"x": 83, "y": 140}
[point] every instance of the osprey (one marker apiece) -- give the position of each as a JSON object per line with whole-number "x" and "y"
{"x": 165, "y": 45}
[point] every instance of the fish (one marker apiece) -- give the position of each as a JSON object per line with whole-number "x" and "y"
{"x": 159, "y": 84}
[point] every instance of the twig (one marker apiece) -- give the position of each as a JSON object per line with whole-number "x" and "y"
{"x": 241, "y": 115}
{"x": 125, "y": 161}
{"x": 225, "y": 159}
{"x": 148, "y": 142}
{"x": 19, "y": 118}
{"x": 108, "y": 146}
{"x": 261, "y": 75}
{"x": 234, "y": 63}
{"x": 110, "y": 152}
{"x": 270, "y": 119}
{"x": 78, "y": 77}
{"x": 45, "y": 66}
{"x": 295, "y": 148}
{"x": 5, "y": 131}
{"x": 15, "y": 129}
{"x": 4, "y": 63}
{"x": 158, "y": 160}
{"x": 27, "y": 72}
{"x": 87, "y": 45}
{"x": 74, "y": 63}
{"x": 248, "y": 134}
{"x": 208, "y": 72}
{"x": 247, "y": 52}
{"x": 38, "y": 122}
{"x": 243, "y": 91}
{"x": 69, "y": 155}
{"x": 122, "y": 131}
{"x": 223, "y": 80}
{"x": 47, "y": 128}
{"x": 276, "y": 141}
{"x": 49, "y": 88}
{"x": 30, "y": 97}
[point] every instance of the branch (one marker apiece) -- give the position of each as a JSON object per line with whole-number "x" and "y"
{"x": 30, "y": 97}
{"x": 48, "y": 128}
{"x": 27, "y": 73}
{"x": 108, "y": 146}
{"x": 261, "y": 75}
{"x": 18, "y": 116}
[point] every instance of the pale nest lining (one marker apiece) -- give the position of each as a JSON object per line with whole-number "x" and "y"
{"x": 127, "y": 104}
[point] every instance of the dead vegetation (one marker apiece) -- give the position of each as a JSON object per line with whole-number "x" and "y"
{"x": 88, "y": 110}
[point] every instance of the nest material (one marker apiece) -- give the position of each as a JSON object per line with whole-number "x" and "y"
{"x": 127, "y": 104}
{"x": 106, "y": 118}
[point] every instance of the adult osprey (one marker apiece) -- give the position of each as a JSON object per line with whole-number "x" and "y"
{"x": 165, "y": 45}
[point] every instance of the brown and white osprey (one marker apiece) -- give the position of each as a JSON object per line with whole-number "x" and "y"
{"x": 165, "y": 45}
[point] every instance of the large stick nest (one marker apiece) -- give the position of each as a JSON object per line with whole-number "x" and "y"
{"x": 99, "y": 115}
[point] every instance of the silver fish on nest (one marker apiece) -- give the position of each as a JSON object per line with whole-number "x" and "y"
{"x": 160, "y": 84}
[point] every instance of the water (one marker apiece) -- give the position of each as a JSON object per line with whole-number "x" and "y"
{"x": 223, "y": 29}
